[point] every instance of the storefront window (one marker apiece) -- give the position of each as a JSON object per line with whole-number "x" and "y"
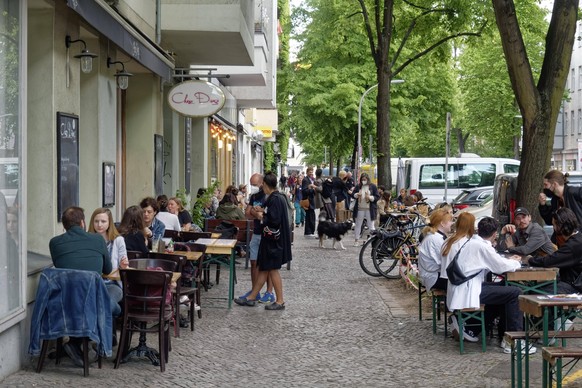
{"x": 11, "y": 284}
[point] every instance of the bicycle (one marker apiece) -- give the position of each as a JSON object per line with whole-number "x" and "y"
{"x": 399, "y": 250}
{"x": 368, "y": 248}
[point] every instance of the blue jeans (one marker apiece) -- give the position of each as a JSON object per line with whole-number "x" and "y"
{"x": 299, "y": 214}
{"x": 115, "y": 295}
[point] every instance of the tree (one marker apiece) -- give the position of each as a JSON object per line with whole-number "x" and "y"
{"x": 539, "y": 104}
{"x": 487, "y": 109}
{"x": 437, "y": 25}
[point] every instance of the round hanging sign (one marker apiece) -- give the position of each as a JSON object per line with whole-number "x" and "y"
{"x": 196, "y": 98}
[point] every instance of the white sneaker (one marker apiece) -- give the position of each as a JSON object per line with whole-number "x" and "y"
{"x": 468, "y": 335}
{"x": 507, "y": 347}
{"x": 356, "y": 244}
{"x": 196, "y": 307}
{"x": 184, "y": 299}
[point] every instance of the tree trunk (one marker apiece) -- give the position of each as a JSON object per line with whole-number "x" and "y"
{"x": 330, "y": 162}
{"x": 383, "y": 129}
{"x": 460, "y": 140}
{"x": 539, "y": 104}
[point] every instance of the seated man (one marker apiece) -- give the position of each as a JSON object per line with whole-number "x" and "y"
{"x": 568, "y": 257}
{"x": 478, "y": 256}
{"x": 524, "y": 237}
{"x": 77, "y": 249}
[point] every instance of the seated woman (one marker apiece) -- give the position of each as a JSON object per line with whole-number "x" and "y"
{"x": 131, "y": 228}
{"x": 175, "y": 207}
{"x": 429, "y": 252}
{"x": 228, "y": 208}
{"x": 568, "y": 257}
{"x": 384, "y": 207}
{"x": 102, "y": 223}
{"x": 170, "y": 220}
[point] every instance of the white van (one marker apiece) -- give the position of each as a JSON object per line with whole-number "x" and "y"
{"x": 427, "y": 175}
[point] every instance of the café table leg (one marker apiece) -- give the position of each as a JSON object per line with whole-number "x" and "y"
{"x": 142, "y": 350}
{"x": 545, "y": 342}
{"x": 231, "y": 279}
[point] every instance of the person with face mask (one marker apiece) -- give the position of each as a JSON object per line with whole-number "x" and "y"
{"x": 562, "y": 195}
{"x": 366, "y": 195}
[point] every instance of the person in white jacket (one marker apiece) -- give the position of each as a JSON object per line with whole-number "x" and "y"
{"x": 429, "y": 251}
{"x": 479, "y": 256}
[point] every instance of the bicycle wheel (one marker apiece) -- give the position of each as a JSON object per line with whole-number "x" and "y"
{"x": 386, "y": 255}
{"x": 366, "y": 257}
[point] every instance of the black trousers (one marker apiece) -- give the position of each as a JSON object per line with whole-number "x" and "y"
{"x": 309, "y": 222}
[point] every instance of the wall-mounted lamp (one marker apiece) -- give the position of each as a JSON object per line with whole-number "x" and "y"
{"x": 86, "y": 56}
{"x": 121, "y": 75}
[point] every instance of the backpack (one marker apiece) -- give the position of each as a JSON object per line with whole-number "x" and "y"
{"x": 227, "y": 230}
{"x": 326, "y": 188}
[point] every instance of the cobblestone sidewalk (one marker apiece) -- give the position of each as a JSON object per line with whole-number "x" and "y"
{"x": 340, "y": 328}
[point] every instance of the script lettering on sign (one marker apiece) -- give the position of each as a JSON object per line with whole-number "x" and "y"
{"x": 196, "y": 98}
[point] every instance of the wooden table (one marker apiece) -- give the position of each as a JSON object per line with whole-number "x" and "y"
{"x": 216, "y": 251}
{"x": 191, "y": 256}
{"x": 532, "y": 279}
{"x": 537, "y": 306}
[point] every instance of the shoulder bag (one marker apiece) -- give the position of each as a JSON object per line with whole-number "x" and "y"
{"x": 454, "y": 273}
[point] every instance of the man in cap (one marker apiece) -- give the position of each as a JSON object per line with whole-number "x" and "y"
{"x": 524, "y": 237}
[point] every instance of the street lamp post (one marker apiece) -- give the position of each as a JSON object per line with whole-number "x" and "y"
{"x": 358, "y": 161}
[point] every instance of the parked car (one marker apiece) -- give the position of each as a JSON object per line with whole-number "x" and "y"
{"x": 478, "y": 202}
{"x": 472, "y": 197}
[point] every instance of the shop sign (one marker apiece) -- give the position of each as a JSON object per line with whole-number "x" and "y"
{"x": 267, "y": 131}
{"x": 196, "y": 98}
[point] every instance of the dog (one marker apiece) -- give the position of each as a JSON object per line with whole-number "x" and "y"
{"x": 333, "y": 230}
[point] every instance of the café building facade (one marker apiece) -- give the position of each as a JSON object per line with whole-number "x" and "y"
{"x": 84, "y": 120}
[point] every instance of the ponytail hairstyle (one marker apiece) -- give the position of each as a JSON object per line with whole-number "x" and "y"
{"x": 436, "y": 218}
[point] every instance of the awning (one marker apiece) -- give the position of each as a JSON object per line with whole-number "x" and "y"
{"x": 109, "y": 23}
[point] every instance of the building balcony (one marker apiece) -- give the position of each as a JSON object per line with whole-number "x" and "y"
{"x": 200, "y": 33}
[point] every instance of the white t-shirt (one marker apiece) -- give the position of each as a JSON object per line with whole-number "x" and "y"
{"x": 170, "y": 220}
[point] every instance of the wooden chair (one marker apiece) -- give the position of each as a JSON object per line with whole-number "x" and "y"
{"x": 83, "y": 283}
{"x": 135, "y": 255}
{"x": 179, "y": 261}
{"x": 192, "y": 236}
{"x": 144, "y": 301}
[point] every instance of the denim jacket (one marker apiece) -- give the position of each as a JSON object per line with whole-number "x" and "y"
{"x": 71, "y": 303}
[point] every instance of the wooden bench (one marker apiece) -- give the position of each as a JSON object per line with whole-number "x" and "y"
{"x": 554, "y": 356}
{"x": 477, "y": 314}
{"x": 438, "y": 299}
{"x": 512, "y": 336}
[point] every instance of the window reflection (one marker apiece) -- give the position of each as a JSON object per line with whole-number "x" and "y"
{"x": 10, "y": 152}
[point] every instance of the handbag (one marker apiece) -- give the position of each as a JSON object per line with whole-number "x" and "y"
{"x": 271, "y": 234}
{"x": 454, "y": 273}
{"x": 304, "y": 203}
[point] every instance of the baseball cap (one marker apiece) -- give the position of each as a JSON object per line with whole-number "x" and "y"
{"x": 521, "y": 210}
